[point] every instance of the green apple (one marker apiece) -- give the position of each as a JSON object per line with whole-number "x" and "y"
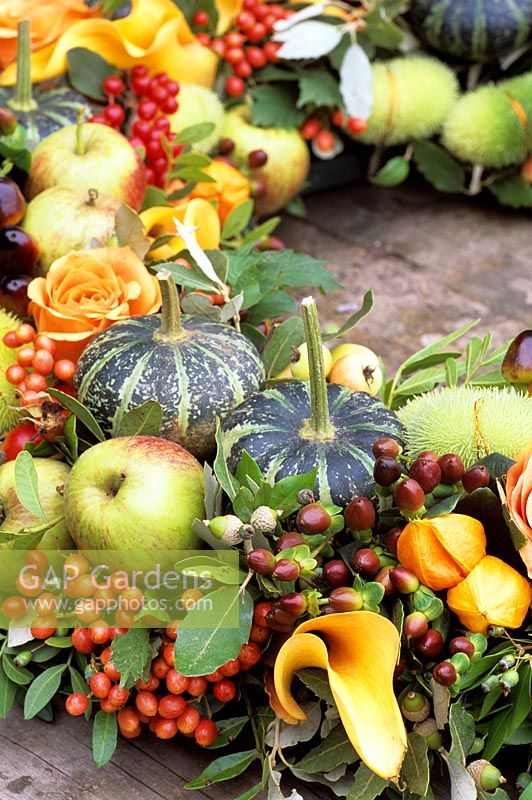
{"x": 300, "y": 368}
{"x": 52, "y": 476}
{"x": 287, "y": 165}
{"x": 62, "y": 219}
{"x": 134, "y": 493}
{"x": 88, "y": 156}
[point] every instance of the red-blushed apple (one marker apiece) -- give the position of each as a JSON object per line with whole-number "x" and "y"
{"x": 356, "y": 367}
{"x": 62, "y": 219}
{"x": 134, "y": 493}
{"x": 88, "y": 156}
{"x": 52, "y": 476}
{"x": 287, "y": 164}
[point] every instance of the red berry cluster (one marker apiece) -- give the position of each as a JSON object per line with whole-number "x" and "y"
{"x": 35, "y": 364}
{"x": 313, "y": 129}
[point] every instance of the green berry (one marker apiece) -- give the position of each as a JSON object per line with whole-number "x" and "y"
{"x": 23, "y": 658}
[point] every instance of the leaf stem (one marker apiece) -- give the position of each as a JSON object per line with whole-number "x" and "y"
{"x": 171, "y": 329}
{"x": 319, "y": 425}
{"x": 22, "y": 99}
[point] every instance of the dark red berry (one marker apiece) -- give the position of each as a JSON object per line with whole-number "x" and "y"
{"x": 404, "y": 580}
{"x": 475, "y": 478}
{"x": 291, "y": 539}
{"x": 261, "y": 561}
{"x": 147, "y": 109}
{"x": 415, "y": 625}
{"x": 386, "y": 471}
{"x": 345, "y": 598}
{"x": 260, "y": 613}
{"x": 409, "y": 496}
{"x": 359, "y": 514}
{"x": 336, "y": 573}
{"x": 257, "y": 158}
{"x": 226, "y": 146}
{"x": 280, "y": 620}
{"x": 392, "y": 538}
{"x": 113, "y": 85}
{"x": 383, "y": 577}
{"x": 295, "y": 603}
{"x": 19, "y": 251}
{"x": 426, "y": 473}
{"x": 461, "y": 644}
{"x": 444, "y": 673}
{"x": 114, "y": 114}
{"x": 141, "y": 85}
{"x": 313, "y": 518}
{"x": 452, "y": 468}
{"x": 386, "y": 447}
{"x": 430, "y": 645}
{"x": 366, "y": 562}
{"x": 286, "y": 570}
{"x": 428, "y": 455}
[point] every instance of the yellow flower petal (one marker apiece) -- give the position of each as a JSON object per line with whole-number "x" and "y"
{"x": 359, "y": 650}
{"x": 197, "y": 213}
{"x": 227, "y": 11}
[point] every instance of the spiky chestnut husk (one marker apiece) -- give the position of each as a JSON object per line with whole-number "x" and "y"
{"x": 412, "y": 97}
{"x": 196, "y": 104}
{"x": 227, "y": 529}
{"x": 9, "y": 414}
{"x": 264, "y": 520}
{"x": 469, "y": 421}
{"x": 490, "y": 125}
{"x": 485, "y": 775}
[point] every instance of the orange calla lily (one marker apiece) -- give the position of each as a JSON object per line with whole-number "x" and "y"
{"x": 155, "y": 33}
{"x": 519, "y": 501}
{"x": 227, "y": 190}
{"x": 492, "y": 594}
{"x": 197, "y": 213}
{"x": 441, "y": 551}
{"x": 359, "y": 650}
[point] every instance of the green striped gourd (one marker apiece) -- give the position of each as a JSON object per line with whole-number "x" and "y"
{"x": 196, "y": 369}
{"x": 475, "y": 30}
{"x": 298, "y": 425}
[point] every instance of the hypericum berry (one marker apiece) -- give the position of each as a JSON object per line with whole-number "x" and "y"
{"x": 415, "y": 707}
{"x": 286, "y": 570}
{"x": 24, "y": 333}
{"x": 243, "y": 69}
{"x": 392, "y": 537}
{"x": 415, "y": 625}
{"x": 452, "y": 468}
{"x": 233, "y": 55}
{"x": 338, "y": 118}
{"x": 359, "y": 514}
{"x": 444, "y": 673}
{"x": 404, "y": 580}
{"x": 224, "y": 690}
{"x": 257, "y": 158}
{"x": 430, "y": 645}
{"x": 426, "y": 473}
{"x": 10, "y": 339}
{"x": 147, "y": 109}
{"x": 310, "y": 128}
{"x": 475, "y": 478}
{"x": 460, "y": 662}
{"x": 226, "y": 147}
{"x": 506, "y": 662}
{"x": 280, "y": 620}
{"x": 386, "y": 448}
{"x": 15, "y": 374}
{"x": 113, "y": 85}
{"x": 325, "y": 141}
{"x": 461, "y": 644}
{"x": 366, "y": 562}
{"x": 409, "y": 496}
{"x": 357, "y": 125}
{"x": 245, "y": 20}
{"x": 114, "y": 114}
{"x": 257, "y": 32}
{"x": 261, "y": 561}
{"x": 345, "y": 598}
{"x": 235, "y": 86}
{"x": 270, "y": 51}
{"x": 205, "y": 732}
{"x": 200, "y": 18}
{"x": 386, "y": 471}
{"x": 291, "y": 539}
{"x": 100, "y": 685}
{"x": 337, "y": 573}
{"x": 25, "y": 356}
{"x": 76, "y": 704}
{"x": 256, "y": 57}
{"x": 383, "y": 577}
{"x": 295, "y": 604}
{"x": 43, "y": 362}
{"x": 313, "y": 518}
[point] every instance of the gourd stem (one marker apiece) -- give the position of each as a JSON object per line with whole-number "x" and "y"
{"x": 171, "y": 329}
{"x": 22, "y": 99}
{"x": 319, "y": 424}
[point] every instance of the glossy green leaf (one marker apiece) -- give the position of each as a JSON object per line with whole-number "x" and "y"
{"x": 279, "y": 348}
{"x": 44, "y": 687}
{"x": 238, "y": 219}
{"x": 87, "y": 71}
{"x": 439, "y": 167}
{"x": 104, "y": 737}
{"x": 317, "y": 681}
{"x": 131, "y": 655}
{"x": 354, "y": 319}
{"x": 144, "y": 420}
{"x": 19, "y": 675}
{"x": 27, "y": 485}
{"x": 228, "y": 730}
{"x": 8, "y": 690}
{"x": 195, "y": 133}
{"x": 415, "y": 771}
{"x": 80, "y": 411}
{"x": 367, "y": 785}
{"x": 393, "y": 173}
{"x": 335, "y": 749}
{"x": 223, "y": 769}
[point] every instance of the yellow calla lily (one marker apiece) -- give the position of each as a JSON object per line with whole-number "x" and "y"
{"x": 155, "y": 33}
{"x": 359, "y": 650}
{"x": 197, "y": 213}
{"x": 227, "y": 11}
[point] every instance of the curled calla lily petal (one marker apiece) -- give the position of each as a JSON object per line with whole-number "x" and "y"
{"x": 359, "y": 650}
{"x": 155, "y": 33}
{"x": 196, "y": 214}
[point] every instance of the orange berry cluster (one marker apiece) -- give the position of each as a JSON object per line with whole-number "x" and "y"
{"x": 35, "y": 363}
{"x": 312, "y": 129}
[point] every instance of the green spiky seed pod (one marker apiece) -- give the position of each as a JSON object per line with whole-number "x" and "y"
{"x": 9, "y": 413}
{"x": 412, "y": 97}
{"x": 198, "y": 104}
{"x": 469, "y": 421}
{"x": 490, "y": 126}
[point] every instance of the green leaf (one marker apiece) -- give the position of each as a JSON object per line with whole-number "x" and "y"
{"x": 416, "y": 768}
{"x": 462, "y": 784}
{"x": 335, "y": 749}
{"x": 190, "y": 278}
{"x": 261, "y": 231}
{"x": 274, "y": 106}
{"x": 462, "y": 727}
{"x": 284, "y": 493}
{"x": 19, "y": 675}
{"x": 104, "y": 737}
{"x": 512, "y": 191}
{"x": 223, "y": 769}
{"x": 444, "y": 506}
{"x": 393, "y": 173}
{"x": 367, "y": 785}
{"x": 413, "y": 360}
{"x": 132, "y": 655}
{"x": 244, "y": 504}
{"x": 252, "y": 792}
{"x": 195, "y": 133}
{"x": 144, "y": 420}
{"x": 354, "y": 319}
{"x": 279, "y": 348}
{"x": 206, "y": 641}
{"x": 87, "y": 71}
{"x": 18, "y": 154}
{"x": 438, "y": 167}
{"x": 238, "y": 219}
{"x": 451, "y": 372}
{"x": 27, "y": 485}
{"x": 228, "y": 730}
{"x": 154, "y": 197}
{"x": 248, "y": 468}
{"x": 8, "y": 689}
{"x": 506, "y": 722}
{"x": 43, "y": 688}
{"x": 80, "y": 411}
{"x": 60, "y": 642}
{"x": 318, "y": 88}
{"x": 79, "y": 684}
{"x": 317, "y": 681}
{"x": 381, "y": 31}
{"x": 228, "y": 483}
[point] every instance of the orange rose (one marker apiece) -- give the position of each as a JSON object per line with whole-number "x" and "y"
{"x": 48, "y": 21}
{"x": 519, "y": 502}
{"x": 441, "y": 551}
{"x": 230, "y": 188}
{"x": 86, "y": 291}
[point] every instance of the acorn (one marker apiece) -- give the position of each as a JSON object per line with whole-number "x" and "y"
{"x": 264, "y": 520}
{"x": 486, "y": 776}
{"x": 226, "y": 529}
{"x": 428, "y": 729}
{"x": 415, "y": 707}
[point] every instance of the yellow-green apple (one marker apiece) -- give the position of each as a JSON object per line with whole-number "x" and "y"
{"x": 134, "y": 492}
{"x": 356, "y": 367}
{"x": 51, "y": 476}
{"x": 88, "y": 156}
{"x": 287, "y": 162}
{"x": 62, "y": 219}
